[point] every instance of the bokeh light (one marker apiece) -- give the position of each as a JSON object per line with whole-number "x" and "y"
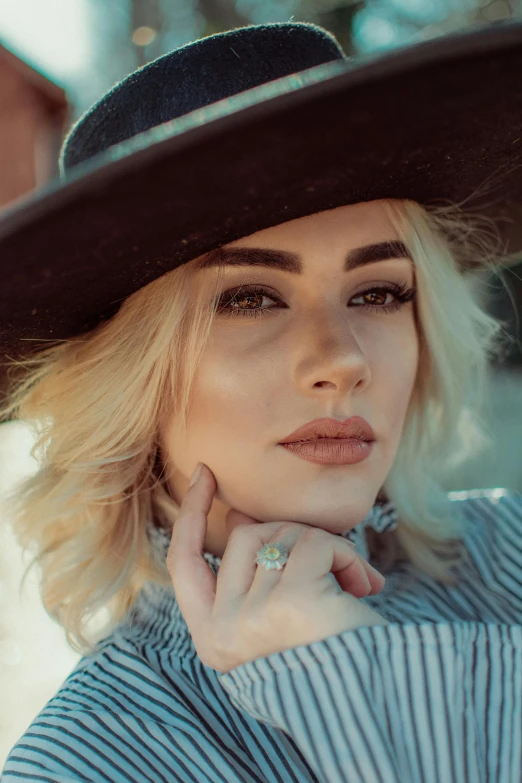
{"x": 143, "y": 36}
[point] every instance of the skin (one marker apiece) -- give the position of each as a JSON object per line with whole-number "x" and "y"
{"x": 323, "y": 355}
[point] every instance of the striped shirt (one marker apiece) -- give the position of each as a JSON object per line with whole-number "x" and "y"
{"x": 435, "y": 696}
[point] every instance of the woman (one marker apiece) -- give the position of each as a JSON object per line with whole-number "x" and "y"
{"x": 248, "y": 636}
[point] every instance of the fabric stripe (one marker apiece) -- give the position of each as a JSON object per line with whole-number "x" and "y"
{"x": 434, "y": 696}
{"x": 442, "y": 654}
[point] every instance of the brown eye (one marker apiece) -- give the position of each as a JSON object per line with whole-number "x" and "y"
{"x": 242, "y": 301}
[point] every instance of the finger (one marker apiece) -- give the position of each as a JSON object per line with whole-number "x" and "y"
{"x": 265, "y": 580}
{"x": 193, "y": 580}
{"x": 238, "y": 564}
{"x": 294, "y": 539}
{"x": 377, "y": 580}
{"x": 317, "y": 553}
{"x": 233, "y": 585}
{"x": 237, "y": 569}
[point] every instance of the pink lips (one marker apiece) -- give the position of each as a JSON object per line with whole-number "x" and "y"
{"x": 355, "y": 427}
{"x": 331, "y": 442}
{"x": 334, "y": 451}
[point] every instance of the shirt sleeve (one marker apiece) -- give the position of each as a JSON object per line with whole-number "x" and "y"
{"x": 104, "y": 746}
{"x": 395, "y": 703}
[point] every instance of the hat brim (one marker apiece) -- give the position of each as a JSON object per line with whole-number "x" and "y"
{"x": 430, "y": 122}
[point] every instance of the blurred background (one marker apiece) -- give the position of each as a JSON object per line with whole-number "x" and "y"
{"x": 57, "y": 57}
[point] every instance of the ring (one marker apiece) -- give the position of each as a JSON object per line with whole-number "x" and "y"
{"x": 272, "y": 556}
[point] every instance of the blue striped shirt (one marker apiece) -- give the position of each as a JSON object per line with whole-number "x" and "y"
{"x": 435, "y": 696}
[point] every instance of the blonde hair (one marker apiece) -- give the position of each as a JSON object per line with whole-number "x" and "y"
{"x": 96, "y": 404}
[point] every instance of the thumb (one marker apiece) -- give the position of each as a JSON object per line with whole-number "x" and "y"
{"x": 235, "y": 518}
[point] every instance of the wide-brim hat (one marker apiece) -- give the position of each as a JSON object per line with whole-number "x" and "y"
{"x": 247, "y": 129}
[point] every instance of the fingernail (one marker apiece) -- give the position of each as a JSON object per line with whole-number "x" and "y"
{"x": 195, "y": 475}
{"x": 377, "y": 573}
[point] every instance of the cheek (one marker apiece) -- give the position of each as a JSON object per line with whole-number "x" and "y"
{"x": 395, "y": 372}
{"x": 237, "y": 381}
{"x": 229, "y": 414}
{"x": 233, "y": 389}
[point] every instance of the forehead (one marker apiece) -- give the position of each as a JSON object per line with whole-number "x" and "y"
{"x": 353, "y": 225}
{"x": 360, "y": 233}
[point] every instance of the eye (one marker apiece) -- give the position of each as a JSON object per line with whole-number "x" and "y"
{"x": 241, "y": 301}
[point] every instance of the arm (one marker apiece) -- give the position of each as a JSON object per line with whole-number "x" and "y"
{"x": 396, "y": 703}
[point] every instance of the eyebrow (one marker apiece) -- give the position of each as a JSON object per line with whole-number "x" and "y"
{"x": 291, "y": 262}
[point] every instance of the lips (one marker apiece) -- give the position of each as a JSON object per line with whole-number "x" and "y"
{"x": 355, "y": 428}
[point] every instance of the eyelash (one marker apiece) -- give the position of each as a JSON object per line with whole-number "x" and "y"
{"x": 402, "y": 293}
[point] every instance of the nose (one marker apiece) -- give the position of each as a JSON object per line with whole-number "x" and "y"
{"x": 334, "y": 354}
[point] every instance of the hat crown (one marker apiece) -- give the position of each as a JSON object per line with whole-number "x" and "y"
{"x": 196, "y": 75}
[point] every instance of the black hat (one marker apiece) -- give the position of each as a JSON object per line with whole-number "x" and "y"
{"x": 241, "y": 131}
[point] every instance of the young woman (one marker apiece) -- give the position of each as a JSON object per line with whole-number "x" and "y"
{"x": 314, "y": 606}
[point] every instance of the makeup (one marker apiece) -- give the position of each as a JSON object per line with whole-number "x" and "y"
{"x": 331, "y": 451}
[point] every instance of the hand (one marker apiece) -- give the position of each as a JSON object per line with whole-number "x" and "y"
{"x": 248, "y": 612}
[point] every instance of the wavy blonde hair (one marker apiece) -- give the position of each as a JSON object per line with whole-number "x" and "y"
{"x": 96, "y": 404}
